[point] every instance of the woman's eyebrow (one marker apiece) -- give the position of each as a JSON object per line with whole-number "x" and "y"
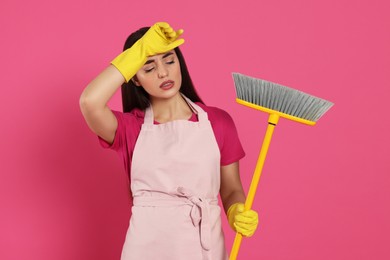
{"x": 149, "y": 61}
{"x": 167, "y": 54}
{"x": 164, "y": 56}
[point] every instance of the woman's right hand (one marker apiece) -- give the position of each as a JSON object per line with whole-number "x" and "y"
{"x": 159, "y": 38}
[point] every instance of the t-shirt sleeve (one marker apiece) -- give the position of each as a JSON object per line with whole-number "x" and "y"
{"x": 125, "y": 137}
{"x": 231, "y": 148}
{"x": 120, "y": 134}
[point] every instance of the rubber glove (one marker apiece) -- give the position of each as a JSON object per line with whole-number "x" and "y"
{"x": 241, "y": 220}
{"x": 159, "y": 38}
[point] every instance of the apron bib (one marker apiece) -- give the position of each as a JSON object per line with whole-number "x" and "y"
{"x": 175, "y": 181}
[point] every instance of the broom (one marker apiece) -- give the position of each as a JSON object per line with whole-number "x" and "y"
{"x": 278, "y": 101}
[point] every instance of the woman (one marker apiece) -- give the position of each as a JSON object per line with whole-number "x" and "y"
{"x": 178, "y": 152}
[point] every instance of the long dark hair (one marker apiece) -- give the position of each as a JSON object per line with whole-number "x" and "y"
{"x": 137, "y": 97}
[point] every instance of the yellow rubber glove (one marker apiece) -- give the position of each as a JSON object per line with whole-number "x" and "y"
{"x": 241, "y": 220}
{"x": 159, "y": 38}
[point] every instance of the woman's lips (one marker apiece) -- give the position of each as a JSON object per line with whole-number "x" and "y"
{"x": 167, "y": 84}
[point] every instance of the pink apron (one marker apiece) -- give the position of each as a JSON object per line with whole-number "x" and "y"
{"x": 175, "y": 181}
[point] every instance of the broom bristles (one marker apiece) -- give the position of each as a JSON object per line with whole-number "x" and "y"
{"x": 280, "y": 98}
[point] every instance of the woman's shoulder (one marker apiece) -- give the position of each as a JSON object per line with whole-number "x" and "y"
{"x": 213, "y": 110}
{"x": 136, "y": 113}
{"x": 135, "y": 116}
{"x": 215, "y": 113}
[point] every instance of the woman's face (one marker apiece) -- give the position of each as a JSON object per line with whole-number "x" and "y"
{"x": 160, "y": 76}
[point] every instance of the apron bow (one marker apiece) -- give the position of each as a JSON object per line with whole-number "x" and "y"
{"x": 200, "y": 215}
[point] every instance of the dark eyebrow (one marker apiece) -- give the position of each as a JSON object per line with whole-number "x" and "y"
{"x": 165, "y": 55}
{"x": 149, "y": 61}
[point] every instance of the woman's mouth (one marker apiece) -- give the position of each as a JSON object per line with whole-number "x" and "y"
{"x": 167, "y": 84}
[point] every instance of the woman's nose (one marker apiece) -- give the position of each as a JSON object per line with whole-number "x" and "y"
{"x": 162, "y": 71}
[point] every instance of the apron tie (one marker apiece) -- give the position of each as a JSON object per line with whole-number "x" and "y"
{"x": 200, "y": 210}
{"x": 200, "y": 215}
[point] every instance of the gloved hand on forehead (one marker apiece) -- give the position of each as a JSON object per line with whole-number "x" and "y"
{"x": 168, "y": 31}
{"x": 161, "y": 38}
{"x": 158, "y": 39}
{"x": 241, "y": 220}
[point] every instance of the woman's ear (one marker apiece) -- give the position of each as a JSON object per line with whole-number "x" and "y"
{"x": 135, "y": 81}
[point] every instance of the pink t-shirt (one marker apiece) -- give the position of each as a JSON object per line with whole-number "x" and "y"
{"x": 129, "y": 126}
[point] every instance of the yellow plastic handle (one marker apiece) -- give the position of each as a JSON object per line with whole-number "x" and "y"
{"x": 272, "y": 121}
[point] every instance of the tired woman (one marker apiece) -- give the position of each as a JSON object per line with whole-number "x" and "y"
{"x": 179, "y": 153}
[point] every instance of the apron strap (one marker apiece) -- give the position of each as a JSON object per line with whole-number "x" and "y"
{"x": 149, "y": 118}
{"x": 202, "y": 115}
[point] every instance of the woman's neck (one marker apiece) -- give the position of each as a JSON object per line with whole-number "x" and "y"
{"x": 174, "y": 108}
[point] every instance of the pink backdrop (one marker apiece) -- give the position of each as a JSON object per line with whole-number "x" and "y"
{"x": 324, "y": 193}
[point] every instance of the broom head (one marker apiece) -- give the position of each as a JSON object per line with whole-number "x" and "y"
{"x": 277, "y": 99}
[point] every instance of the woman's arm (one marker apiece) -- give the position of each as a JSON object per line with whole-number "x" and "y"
{"x": 93, "y": 103}
{"x": 231, "y": 190}
{"x": 233, "y": 199}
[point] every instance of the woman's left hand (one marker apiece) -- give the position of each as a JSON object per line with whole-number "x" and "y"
{"x": 241, "y": 220}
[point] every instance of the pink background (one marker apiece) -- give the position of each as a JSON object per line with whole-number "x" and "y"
{"x": 325, "y": 190}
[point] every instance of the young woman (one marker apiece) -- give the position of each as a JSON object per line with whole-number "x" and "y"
{"x": 179, "y": 153}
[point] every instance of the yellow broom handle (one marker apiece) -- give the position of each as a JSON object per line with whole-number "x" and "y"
{"x": 272, "y": 121}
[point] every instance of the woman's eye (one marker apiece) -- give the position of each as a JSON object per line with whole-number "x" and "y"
{"x": 170, "y": 62}
{"x": 148, "y": 70}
